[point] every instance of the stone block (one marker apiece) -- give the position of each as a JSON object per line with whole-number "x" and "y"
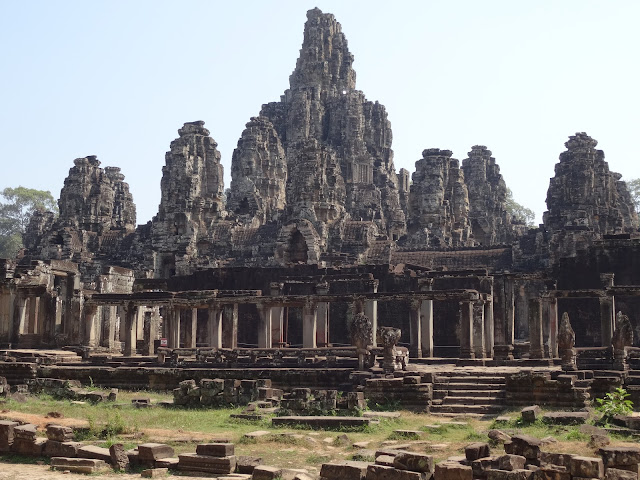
{"x": 386, "y": 460}
{"x": 246, "y": 464}
{"x": 619, "y": 474}
{"x": 207, "y": 464}
{"x": 511, "y": 462}
{"x": 97, "y": 453}
{"x": 521, "y": 474}
{"x": 476, "y": 450}
{"x": 452, "y": 471}
{"x": 619, "y": 456}
{"x": 382, "y": 472}
{"x": 587, "y": 467}
{"x": 416, "y": 462}
{"x": 344, "y": 471}
{"x": 119, "y": 458}
{"x": 6, "y": 434}
{"x": 215, "y": 449}
{"x": 154, "y": 472}
{"x": 551, "y": 472}
{"x": 170, "y": 462}
{"x": 150, "y": 452}
{"x": 530, "y": 414}
{"x": 559, "y": 459}
{"x": 524, "y": 445}
{"x": 481, "y": 466}
{"x": 33, "y": 448}
{"x": 565, "y": 418}
{"x": 78, "y": 465}
{"x": 266, "y": 472}
{"x": 59, "y": 433}
{"x": 61, "y": 449}
{"x": 498, "y": 436}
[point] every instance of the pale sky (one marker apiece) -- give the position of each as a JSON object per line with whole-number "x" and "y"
{"x": 118, "y": 78}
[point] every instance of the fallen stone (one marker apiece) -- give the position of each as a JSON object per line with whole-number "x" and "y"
{"x": 530, "y": 414}
{"x": 618, "y": 474}
{"x": 509, "y": 475}
{"x": 61, "y": 449}
{"x": 476, "y": 450}
{"x": 266, "y": 472}
{"x": 565, "y": 418}
{"x": 361, "y": 444}
{"x": 481, "y": 466}
{"x": 524, "y": 445}
{"x": 246, "y": 464}
{"x": 415, "y": 462}
{"x": 598, "y": 441}
{"x": 119, "y": 458}
{"x": 551, "y": 472}
{"x": 207, "y": 464}
{"x": 154, "y": 472}
{"x": 344, "y": 471}
{"x": 78, "y": 465}
{"x": 587, "y": 467}
{"x": 383, "y": 472}
{"x": 511, "y": 462}
{"x": 386, "y": 460}
{"x": 498, "y": 436}
{"x": 408, "y": 433}
{"x": 452, "y": 471}
{"x": 97, "y": 453}
{"x": 150, "y": 452}
{"x": 215, "y": 449}
{"x": 620, "y": 456}
{"x": 558, "y": 459}
{"x": 171, "y": 462}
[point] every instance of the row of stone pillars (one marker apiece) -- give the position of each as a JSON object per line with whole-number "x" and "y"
{"x": 543, "y": 325}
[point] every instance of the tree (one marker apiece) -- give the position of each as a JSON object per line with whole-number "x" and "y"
{"x": 634, "y": 190}
{"x": 15, "y": 211}
{"x": 519, "y": 212}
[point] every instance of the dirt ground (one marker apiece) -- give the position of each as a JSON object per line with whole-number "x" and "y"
{"x": 10, "y": 471}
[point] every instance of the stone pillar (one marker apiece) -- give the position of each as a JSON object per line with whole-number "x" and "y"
{"x": 309, "y": 325}
{"x": 130, "y": 338}
{"x": 607, "y": 319}
{"x": 230, "y": 326}
{"x": 34, "y": 307}
{"x": 265, "y": 327}
{"x": 489, "y": 326}
{"x": 214, "y": 327}
{"x": 509, "y": 311}
{"x": 111, "y": 339}
{"x": 550, "y": 318}
{"x": 150, "y": 333}
{"x": 140, "y": 322}
{"x": 466, "y": 329}
{"x": 536, "y": 347}
{"x": 426, "y": 327}
{"x": 415, "y": 333}
{"x": 172, "y": 326}
{"x": 90, "y": 325}
{"x": 371, "y": 309}
{"x": 277, "y": 316}
{"x": 322, "y": 328}
{"x": 22, "y": 315}
{"x": 478, "y": 329}
{"x": 192, "y": 329}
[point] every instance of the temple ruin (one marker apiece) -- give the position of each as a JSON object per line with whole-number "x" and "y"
{"x": 317, "y": 230}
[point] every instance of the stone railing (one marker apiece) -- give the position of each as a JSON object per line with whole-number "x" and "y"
{"x": 263, "y": 357}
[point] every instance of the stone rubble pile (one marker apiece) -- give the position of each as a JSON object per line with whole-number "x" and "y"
{"x": 224, "y": 392}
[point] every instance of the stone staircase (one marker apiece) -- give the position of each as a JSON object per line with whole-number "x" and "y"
{"x": 468, "y": 394}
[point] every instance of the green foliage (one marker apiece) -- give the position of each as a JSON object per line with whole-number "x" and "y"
{"x": 614, "y": 403}
{"x": 519, "y": 212}
{"x": 16, "y": 208}
{"x": 634, "y": 190}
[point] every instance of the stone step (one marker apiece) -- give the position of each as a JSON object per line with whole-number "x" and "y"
{"x": 468, "y": 393}
{"x": 467, "y": 386}
{"x": 457, "y": 373}
{"x": 466, "y": 409}
{"x": 448, "y": 400}
{"x": 476, "y": 379}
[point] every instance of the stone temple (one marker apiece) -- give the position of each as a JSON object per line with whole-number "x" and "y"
{"x": 317, "y": 230}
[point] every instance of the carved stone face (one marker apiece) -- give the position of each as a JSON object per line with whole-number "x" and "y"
{"x": 389, "y": 336}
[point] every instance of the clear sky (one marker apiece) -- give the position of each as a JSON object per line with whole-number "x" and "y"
{"x": 118, "y": 78}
